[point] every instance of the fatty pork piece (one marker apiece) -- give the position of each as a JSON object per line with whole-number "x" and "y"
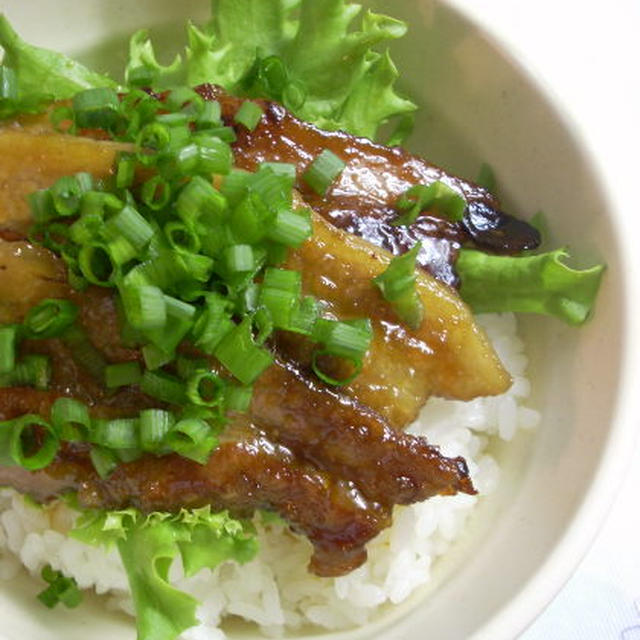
{"x": 329, "y": 467}
{"x": 331, "y": 430}
{"x": 362, "y": 199}
{"x": 449, "y": 356}
{"x": 34, "y": 156}
{"x": 246, "y": 472}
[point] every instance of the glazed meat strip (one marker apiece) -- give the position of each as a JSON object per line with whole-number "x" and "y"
{"x": 246, "y": 472}
{"x": 447, "y": 356}
{"x": 362, "y": 199}
{"x": 329, "y": 430}
{"x": 336, "y": 433}
{"x": 34, "y": 156}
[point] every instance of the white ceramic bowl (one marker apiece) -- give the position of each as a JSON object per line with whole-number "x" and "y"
{"x": 479, "y": 105}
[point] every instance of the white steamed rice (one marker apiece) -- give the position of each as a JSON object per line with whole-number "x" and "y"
{"x": 274, "y": 590}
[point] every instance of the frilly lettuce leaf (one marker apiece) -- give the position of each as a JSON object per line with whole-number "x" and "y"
{"x": 540, "y": 283}
{"x": 148, "y": 545}
{"x": 328, "y": 72}
{"x": 42, "y": 75}
{"x": 142, "y": 58}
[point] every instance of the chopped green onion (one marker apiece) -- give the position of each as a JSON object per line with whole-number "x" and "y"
{"x": 144, "y": 306}
{"x": 241, "y": 356}
{"x": 213, "y": 323}
{"x": 50, "y": 318}
{"x": 33, "y": 444}
{"x": 60, "y": 589}
{"x": 323, "y": 171}
{"x": 96, "y": 108}
{"x": 437, "y": 197}
{"x": 235, "y": 186}
{"x": 125, "y": 171}
{"x": 131, "y": 225}
{"x": 70, "y": 420}
{"x": 249, "y": 115}
{"x": 335, "y": 382}
{"x": 155, "y": 424}
{"x": 163, "y": 387}
{"x": 264, "y": 324}
{"x": 152, "y": 139}
{"x": 249, "y": 221}
{"x": 121, "y": 433}
{"x": 290, "y": 228}
{"x": 238, "y": 398}
{"x": 104, "y": 461}
{"x": 96, "y": 264}
{"x": 156, "y": 193}
{"x": 398, "y": 286}
{"x": 122, "y": 374}
{"x": 67, "y": 192}
{"x": 32, "y": 370}
{"x": 41, "y": 205}
{"x": 181, "y": 97}
{"x": 172, "y": 120}
{"x": 182, "y": 237}
{"x": 210, "y": 116}
{"x": 215, "y": 156}
{"x": 239, "y": 258}
{"x": 349, "y": 339}
{"x": 199, "y": 199}
{"x": 8, "y": 336}
{"x": 226, "y": 134}
{"x": 205, "y": 388}
{"x": 192, "y": 438}
{"x": 280, "y": 305}
{"x": 156, "y": 357}
{"x": 304, "y": 316}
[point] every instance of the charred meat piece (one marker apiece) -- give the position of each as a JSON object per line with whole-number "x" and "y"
{"x": 338, "y": 434}
{"x": 447, "y": 356}
{"x": 373, "y": 179}
{"x": 329, "y": 434}
{"x": 246, "y": 472}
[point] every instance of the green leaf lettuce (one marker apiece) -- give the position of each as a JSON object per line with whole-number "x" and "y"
{"x": 540, "y": 283}
{"x": 42, "y": 75}
{"x": 148, "y": 545}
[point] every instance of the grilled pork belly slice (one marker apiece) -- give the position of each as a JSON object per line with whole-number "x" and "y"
{"x": 362, "y": 198}
{"x": 246, "y": 472}
{"x": 34, "y": 157}
{"x": 339, "y": 434}
{"x": 447, "y": 356}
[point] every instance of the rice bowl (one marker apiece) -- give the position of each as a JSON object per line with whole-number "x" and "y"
{"x": 427, "y": 528}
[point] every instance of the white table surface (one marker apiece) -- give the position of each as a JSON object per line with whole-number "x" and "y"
{"x": 587, "y": 54}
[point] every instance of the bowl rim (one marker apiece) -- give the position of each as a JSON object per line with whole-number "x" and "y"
{"x": 517, "y": 614}
{"x": 561, "y": 563}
